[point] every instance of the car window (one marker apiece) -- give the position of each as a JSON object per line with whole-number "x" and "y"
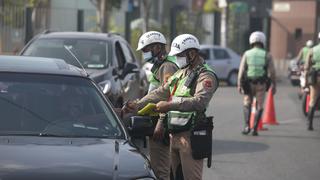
{"x": 91, "y": 53}
{"x": 127, "y": 53}
{"x": 120, "y": 55}
{"x": 220, "y": 54}
{"x": 56, "y": 105}
{"x": 205, "y": 53}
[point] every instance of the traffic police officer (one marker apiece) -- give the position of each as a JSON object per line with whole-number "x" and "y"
{"x": 256, "y": 69}
{"x": 312, "y": 70}
{"x": 301, "y": 59}
{"x": 152, "y": 44}
{"x": 189, "y": 92}
{"x": 302, "y": 56}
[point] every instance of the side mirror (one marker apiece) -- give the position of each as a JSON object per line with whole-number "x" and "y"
{"x": 129, "y": 68}
{"x": 141, "y": 126}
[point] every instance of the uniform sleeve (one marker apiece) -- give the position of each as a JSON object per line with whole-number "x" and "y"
{"x": 207, "y": 84}
{"x": 271, "y": 69}
{"x": 160, "y": 94}
{"x": 165, "y": 71}
{"x": 241, "y": 69}
{"x": 308, "y": 64}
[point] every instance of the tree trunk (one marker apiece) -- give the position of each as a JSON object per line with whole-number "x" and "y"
{"x": 104, "y": 16}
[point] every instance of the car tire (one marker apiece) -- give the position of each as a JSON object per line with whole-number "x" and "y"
{"x": 233, "y": 78}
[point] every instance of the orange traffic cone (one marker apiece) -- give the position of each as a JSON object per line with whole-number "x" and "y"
{"x": 252, "y": 117}
{"x": 269, "y": 115}
{"x": 307, "y": 103}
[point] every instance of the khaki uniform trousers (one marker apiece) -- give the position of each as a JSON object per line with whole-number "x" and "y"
{"x": 258, "y": 91}
{"x": 181, "y": 154}
{"x": 314, "y": 92}
{"x": 160, "y": 159}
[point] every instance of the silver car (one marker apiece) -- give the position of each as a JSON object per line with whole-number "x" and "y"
{"x": 224, "y": 61}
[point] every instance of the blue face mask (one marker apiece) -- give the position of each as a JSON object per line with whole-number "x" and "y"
{"x": 147, "y": 56}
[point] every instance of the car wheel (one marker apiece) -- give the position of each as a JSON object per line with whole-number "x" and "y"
{"x": 233, "y": 78}
{"x": 304, "y": 104}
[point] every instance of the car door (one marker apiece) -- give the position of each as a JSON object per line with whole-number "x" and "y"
{"x": 221, "y": 61}
{"x": 131, "y": 81}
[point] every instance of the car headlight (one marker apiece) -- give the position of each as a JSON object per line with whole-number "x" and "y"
{"x": 105, "y": 86}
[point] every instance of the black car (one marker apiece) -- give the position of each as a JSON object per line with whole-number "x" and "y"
{"x": 107, "y": 58}
{"x": 55, "y": 123}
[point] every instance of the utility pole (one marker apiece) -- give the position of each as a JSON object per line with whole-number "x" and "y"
{"x": 223, "y": 4}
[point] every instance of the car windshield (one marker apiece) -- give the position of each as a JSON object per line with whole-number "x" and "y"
{"x": 93, "y": 54}
{"x": 49, "y": 105}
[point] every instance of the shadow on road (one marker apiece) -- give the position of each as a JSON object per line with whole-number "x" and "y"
{"x": 231, "y": 147}
{"x": 290, "y": 137}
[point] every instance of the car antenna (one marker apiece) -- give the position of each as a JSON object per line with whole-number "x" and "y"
{"x": 75, "y": 57}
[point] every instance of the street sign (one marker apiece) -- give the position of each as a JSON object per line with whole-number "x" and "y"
{"x": 281, "y": 7}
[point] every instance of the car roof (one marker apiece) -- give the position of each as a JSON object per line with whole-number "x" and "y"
{"x": 81, "y": 35}
{"x": 38, "y": 65}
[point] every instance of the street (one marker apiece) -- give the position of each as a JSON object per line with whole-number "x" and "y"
{"x": 286, "y": 151}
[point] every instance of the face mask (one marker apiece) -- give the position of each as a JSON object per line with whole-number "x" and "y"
{"x": 147, "y": 56}
{"x": 182, "y": 62}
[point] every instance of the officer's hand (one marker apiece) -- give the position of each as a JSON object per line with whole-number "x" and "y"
{"x": 129, "y": 107}
{"x": 163, "y": 106}
{"x": 158, "y": 133}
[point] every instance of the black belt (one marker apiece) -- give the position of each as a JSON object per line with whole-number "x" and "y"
{"x": 257, "y": 81}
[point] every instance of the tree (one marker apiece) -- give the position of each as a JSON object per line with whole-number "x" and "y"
{"x": 104, "y": 8}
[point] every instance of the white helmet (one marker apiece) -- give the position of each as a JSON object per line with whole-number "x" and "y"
{"x": 257, "y": 36}
{"x": 150, "y": 38}
{"x": 309, "y": 43}
{"x": 182, "y": 43}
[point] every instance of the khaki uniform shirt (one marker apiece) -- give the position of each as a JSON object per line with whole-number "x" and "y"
{"x": 271, "y": 69}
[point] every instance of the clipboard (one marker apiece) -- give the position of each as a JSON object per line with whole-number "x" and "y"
{"x": 148, "y": 110}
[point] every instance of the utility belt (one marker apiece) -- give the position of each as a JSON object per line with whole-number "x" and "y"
{"x": 313, "y": 76}
{"x": 261, "y": 80}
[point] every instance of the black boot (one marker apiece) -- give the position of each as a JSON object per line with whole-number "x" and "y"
{"x": 310, "y": 118}
{"x": 256, "y": 122}
{"x": 247, "y": 113}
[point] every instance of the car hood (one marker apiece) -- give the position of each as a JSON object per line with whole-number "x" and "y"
{"x": 70, "y": 158}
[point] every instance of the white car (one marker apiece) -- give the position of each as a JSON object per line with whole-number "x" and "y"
{"x": 224, "y": 61}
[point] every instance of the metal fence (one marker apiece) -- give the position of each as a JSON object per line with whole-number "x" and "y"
{"x": 18, "y": 24}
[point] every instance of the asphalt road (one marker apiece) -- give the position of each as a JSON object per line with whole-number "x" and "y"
{"x": 284, "y": 152}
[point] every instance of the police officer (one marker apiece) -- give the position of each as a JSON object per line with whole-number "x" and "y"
{"x": 255, "y": 71}
{"x": 152, "y": 44}
{"x": 302, "y": 56}
{"x": 189, "y": 92}
{"x": 312, "y": 70}
{"x": 301, "y": 59}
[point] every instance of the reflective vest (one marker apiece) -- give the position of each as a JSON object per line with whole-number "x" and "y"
{"x": 316, "y": 57}
{"x": 305, "y": 51}
{"x": 154, "y": 82}
{"x": 182, "y": 121}
{"x": 256, "y": 62}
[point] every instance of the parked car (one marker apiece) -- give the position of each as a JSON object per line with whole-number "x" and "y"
{"x": 224, "y": 61}
{"x": 294, "y": 72}
{"x": 56, "y": 124}
{"x": 107, "y": 58}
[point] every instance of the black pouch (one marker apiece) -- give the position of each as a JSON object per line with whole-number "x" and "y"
{"x": 246, "y": 86}
{"x": 201, "y": 139}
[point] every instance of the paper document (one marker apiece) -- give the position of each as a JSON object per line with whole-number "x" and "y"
{"x": 148, "y": 110}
